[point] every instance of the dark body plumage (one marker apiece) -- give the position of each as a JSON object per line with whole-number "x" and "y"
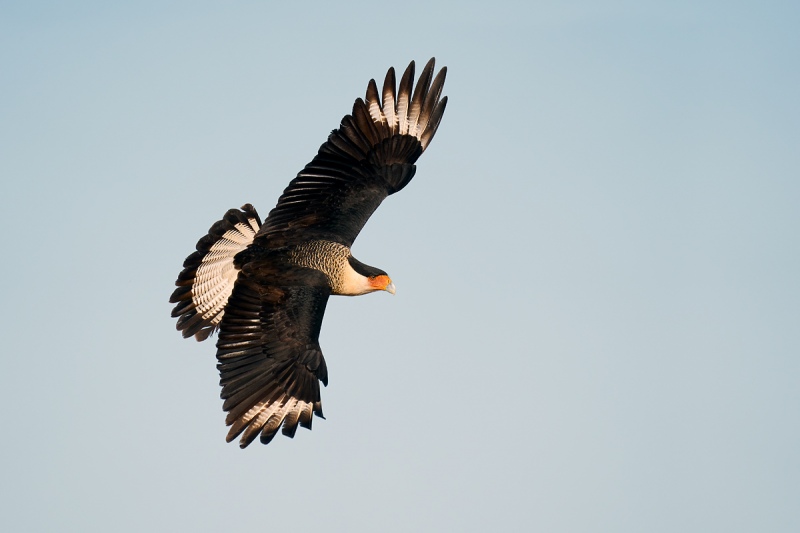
{"x": 266, "y": 286}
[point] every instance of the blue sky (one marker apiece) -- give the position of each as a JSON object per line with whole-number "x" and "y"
{"x": 596, "y": 321}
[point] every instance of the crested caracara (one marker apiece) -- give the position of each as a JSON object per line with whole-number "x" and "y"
{"x": 265, "y": 285}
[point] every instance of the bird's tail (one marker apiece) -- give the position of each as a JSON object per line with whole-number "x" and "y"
{"x": 208, "y": 275}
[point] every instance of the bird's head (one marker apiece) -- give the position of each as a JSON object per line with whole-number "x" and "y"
{"x": 365, "y": 278}
{"x": 381, "y": 282}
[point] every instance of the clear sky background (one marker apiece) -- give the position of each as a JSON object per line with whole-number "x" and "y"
{"x": 597, "y": 321}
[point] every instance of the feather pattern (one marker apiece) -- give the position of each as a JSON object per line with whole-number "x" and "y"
{"x": 208, "y": 275}
{"x": 390, "y": 102}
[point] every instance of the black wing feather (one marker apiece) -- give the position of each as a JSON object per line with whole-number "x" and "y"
{"x": 270, "y": 362}
{"x": 369, "y": 157}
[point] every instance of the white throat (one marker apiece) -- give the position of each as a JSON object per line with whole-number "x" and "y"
{"x": 353, "y": 283}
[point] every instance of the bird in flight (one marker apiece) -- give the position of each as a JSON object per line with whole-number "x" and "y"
{"x": 265, "y": 285}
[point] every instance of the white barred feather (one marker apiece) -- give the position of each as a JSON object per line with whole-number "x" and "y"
{"x": 217, "y": 274}
{"x": 406, "y": 113}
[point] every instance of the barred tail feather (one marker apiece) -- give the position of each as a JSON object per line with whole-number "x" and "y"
{"x": 208, "y": 275}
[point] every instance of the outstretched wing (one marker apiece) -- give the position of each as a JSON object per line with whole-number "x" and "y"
{"x": 369, "y": 157}
{"x": 208, "y": 275}
{"x": 270, "y": 362}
